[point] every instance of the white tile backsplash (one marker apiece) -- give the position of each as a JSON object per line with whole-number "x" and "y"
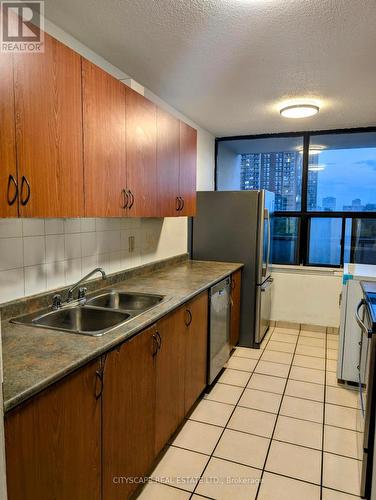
{"x": 37, "y": 255}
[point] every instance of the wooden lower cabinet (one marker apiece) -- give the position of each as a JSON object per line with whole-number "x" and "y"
{"x": 128, "y": 412}
{"x": 53, "y": 442}
{"x": 236, "y": 284}
{"x": 170, "y": 375}
{"x": 196, "y": 348}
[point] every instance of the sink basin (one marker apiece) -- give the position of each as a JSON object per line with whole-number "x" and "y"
{"x": 82, "y": 320}
{"x": 126, "y": 301}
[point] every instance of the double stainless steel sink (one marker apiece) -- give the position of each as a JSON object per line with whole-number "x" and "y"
{"x": 95, "y": 315}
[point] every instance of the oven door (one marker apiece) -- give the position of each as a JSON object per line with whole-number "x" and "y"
{"x": 366, "y": 411}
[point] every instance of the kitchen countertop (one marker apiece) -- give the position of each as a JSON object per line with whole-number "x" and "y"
{"x": 34, "y": 358}
{"x": 362, "y": 271}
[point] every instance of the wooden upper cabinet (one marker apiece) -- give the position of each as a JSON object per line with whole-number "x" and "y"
{"x": 141, "y": 147}
{"x": 188, "y": 162}
{"x": 168, "y": 130}
{"x": 104, "y": 142}
{"x": 236, "y": 284}
{"x": 128, "y": 409}
{"x": 53, "y": 442}
{"x": 48, "y": 108}
{"x": 196, "y": 348}
{"x": 170, "y": 360}
{"x": 8, "y": 164}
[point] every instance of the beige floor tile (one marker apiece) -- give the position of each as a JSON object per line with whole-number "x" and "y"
{"x": 180, "y": 468}
{"x": 316, "y": 335}
{"x": 243, "y": 448}
{"x": 302, "y": 408}
{"x": 235, "y": 481}
{"x": 337, "y": 495}
{"x": 331, "y": 379}
{"x": 341, "y": 416}
{"x": 260, "y": 400}
{"x": 284, "y": 337}
{"x": 341, "y": 396}
{"x": 224, "y": 393}
{"x": 267, "y": 383}
{"x": 309, "y": 362}
{"x": 277, "y": 357}
{"x": 307, "y": 350}
{"x": 294, "y": 461}
{"x": 331, "y": 365}
{"x": 275, "y": 487}
{"x": 196, "y": 436}
{"x": 252, "y": 421}
{"x": 332, "y": 354}
{"x": 211, "y": 412}
{"x": 342, "y": 442}
{"x": 311, "y": 341}
{"x": 307, "y": 375}
{"x": 301, "y": 432}
{"x": 234, "y": 377}
{"x": 332, "y": 344}
{"x": 305, "y": 390}
{"x": 280, "y": 346}
{"x": 341, "y": 473}
{"x": 245, "y": 352}
{"x": 238, "y": 363}
{"x": 157, "y": 491}
{"x": 275, "y": 369}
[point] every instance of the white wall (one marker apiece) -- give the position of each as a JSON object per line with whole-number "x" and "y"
{"x": 306, "y": 295}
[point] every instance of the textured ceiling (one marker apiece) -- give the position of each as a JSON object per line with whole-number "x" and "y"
{"x": 229, "y": 64}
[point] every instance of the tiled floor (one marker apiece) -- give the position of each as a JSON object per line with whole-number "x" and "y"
{"x": 276, "y": 426}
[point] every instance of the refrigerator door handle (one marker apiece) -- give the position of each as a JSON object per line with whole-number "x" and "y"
{"x": 267, "y": 216}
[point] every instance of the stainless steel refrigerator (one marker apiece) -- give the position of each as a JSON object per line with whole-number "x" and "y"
{"x": 235, "y": 226}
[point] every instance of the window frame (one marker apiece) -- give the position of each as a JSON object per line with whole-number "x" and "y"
{"x": 304, "y": 215}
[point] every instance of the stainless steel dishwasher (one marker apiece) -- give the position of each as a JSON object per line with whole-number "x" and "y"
{"x": 219, "y": 334}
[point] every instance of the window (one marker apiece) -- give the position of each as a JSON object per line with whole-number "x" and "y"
{"x": 325, "y": 192}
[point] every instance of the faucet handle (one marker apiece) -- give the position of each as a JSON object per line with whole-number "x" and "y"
{"x": 56, "y": 301}
{"x": 82, "y": 293}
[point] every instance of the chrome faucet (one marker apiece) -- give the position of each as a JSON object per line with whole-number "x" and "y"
{"x": 81, "y": 293}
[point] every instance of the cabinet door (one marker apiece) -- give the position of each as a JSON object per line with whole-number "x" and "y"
{"x": 167, "y": 163}
{"x": 49, "y": 131}
{"x": 104, "y": 142}
{"x": 170, "y": 377}
{"x": 196, "y": 348}
{"x": 235, "y": 307}
{"x": 8, "y": 166}
{"x": 188, "y": 160}
{"x": 141, "y": 144}
{"x": 128, "y": 415}
{"x": 53, "y": 442}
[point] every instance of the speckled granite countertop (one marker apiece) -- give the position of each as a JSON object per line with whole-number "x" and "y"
{"x": 34, "y": 358}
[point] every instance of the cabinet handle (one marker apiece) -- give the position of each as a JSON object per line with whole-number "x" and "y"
{"x": 11, "y": 180}
{"x": 99, "y": 374}
{"x": 187, "y": 323}
{"x": 125, "y": 198}
{"x": 182, "y": 203}
{"x": 177, "y": 203}
{"x": 233, "y": 284}
{"x": 155, "y": 344}
{"x": 25, "y": 201}
{"x": 132, "y": 199}
{"x": 159, "y": 340}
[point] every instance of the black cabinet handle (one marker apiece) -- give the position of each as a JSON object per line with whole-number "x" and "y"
{"x": 187, "y": 323}
{"x": 24, "y": 181}
{"x": 177, "y": 203}
{"x": 159, "y": 339}
{"x": 132, "y": 199}
{"x": 182, "y": 203}
{"x": 125, "y": 198}
{"x": 99, "y": 374}
{"x": 156, "y": 345}
{"x": 11, "y": 180}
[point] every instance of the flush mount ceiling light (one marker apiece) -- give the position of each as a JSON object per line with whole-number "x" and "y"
{"x": 299, "y": 110}
{"x": 316, "y": 168}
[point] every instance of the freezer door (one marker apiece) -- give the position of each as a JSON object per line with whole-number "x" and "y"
{"x": 263, "y": 308}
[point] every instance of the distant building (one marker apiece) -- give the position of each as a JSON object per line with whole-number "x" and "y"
{"x": 329, "y": 204}
{"x": 356, "y": 206}
{"x": 279, "y": 172}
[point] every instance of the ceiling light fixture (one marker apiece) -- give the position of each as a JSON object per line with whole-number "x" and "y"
{"x": 299, "y": 111}
{"x": 316, "y": 168}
